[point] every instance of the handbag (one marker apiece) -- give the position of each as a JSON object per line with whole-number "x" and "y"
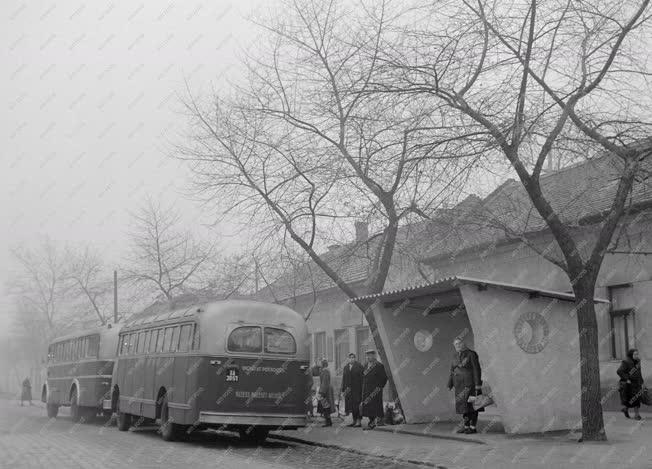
{"x": 646, "y": 396}
{"x": 481, "y": 401}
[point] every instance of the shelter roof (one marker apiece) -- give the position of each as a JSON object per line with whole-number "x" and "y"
{"x": 453, "y": 284}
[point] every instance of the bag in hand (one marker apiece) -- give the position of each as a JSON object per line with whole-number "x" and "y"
{"x": 481, "y": 401}
{"x": 646, "y": 396}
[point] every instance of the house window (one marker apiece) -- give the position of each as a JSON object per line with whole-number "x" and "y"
{"x": 329, "y": 348}
{"x": 363, "y": 341}
{"x": 320, "y": 346}
{"x": 341, "y": 349}
{"x": 623, "y": 320}
{"x": 309, "y": 347}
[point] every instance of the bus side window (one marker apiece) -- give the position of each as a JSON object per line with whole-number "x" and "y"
{"x": 148, "y": 334}
{"x": 174, "y": 344}
{"x": 160, "y": 347}
{"x": 167, "y": 339}
{"x": 152, "y": 341}
{"x": 141, "y": 342}
{"x": 185, "y": 338}
{"x": 195, "y": 337}
{"x": 94, "y": 346}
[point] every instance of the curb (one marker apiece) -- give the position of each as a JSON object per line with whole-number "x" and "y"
{"x": 431, "y": 435}
{"x": 293, "y": 439}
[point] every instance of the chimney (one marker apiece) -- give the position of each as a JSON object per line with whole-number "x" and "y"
{"x": 361, "y": 231}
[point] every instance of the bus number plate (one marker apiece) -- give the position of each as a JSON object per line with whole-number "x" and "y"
{"x": 232, "y": 375}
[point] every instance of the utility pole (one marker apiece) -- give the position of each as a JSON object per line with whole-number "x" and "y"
{"x": 115, "y": 296}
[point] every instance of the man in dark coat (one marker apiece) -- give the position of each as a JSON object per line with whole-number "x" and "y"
{"x": 373, "y": 382}
{"x": 352, "y": 377}
{"x": 466, "y": 379}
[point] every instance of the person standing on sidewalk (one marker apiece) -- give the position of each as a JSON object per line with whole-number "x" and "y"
{"x": 631, "y": 383}
{"x": 373, "y": 382}
{"x": 26, "y": 392}
{"x": 466, "y": 379}
{"x": 326, "y": 394}
{"x": 352, "y": 377}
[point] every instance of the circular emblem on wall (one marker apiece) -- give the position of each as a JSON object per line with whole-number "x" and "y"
{"x": 423, "y": 340}
{"x": 531, "y": 332}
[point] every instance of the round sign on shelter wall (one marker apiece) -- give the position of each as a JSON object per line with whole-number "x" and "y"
{"x": 423, "y": 340}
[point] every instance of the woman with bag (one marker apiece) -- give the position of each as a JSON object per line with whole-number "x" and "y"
{"x": 466, "y": 379}
{"x": 326, "y": 398}
{"x": 631, "y": 383}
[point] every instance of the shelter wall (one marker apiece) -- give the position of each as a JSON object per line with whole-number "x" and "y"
{"x": 421, "y": 377}
{"x": 536, "y": 391}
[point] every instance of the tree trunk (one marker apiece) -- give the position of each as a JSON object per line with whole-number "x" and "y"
{"x": 368, "y": 310}
{"x": 591, "y": 397}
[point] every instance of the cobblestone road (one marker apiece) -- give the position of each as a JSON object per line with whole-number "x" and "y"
{"x": 29, "y": 440}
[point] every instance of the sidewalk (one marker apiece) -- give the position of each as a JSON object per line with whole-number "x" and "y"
{"x": 629, "y": 446}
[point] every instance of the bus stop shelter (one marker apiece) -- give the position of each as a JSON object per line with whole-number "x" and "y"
{"x": 526, "y": 339}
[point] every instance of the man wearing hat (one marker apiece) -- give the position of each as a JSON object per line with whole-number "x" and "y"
{"x": 373, "y": 382}
{"x": 352, "y": 389}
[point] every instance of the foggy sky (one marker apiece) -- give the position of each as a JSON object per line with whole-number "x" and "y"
{"x": 90, "y": 106}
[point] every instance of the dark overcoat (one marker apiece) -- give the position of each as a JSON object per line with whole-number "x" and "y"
{"x": 464, "y": 377}
{"x": 26, "y": 394}
{"x": 352, "y": 377}
{"x": 373, "y": 382}
{"x": 326, "y": 403}
{"x": 630, "y": 393}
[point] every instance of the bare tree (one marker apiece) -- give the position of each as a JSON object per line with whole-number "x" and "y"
{"x": 87, "y": 273}
{"x": 303, "y": 149}
{"x": 542, "y": 78}
{"x": 40, "y": 283}
{"x": 163, "y": 256}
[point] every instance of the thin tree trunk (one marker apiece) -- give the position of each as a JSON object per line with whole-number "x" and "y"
{"x": 591, "y": 398}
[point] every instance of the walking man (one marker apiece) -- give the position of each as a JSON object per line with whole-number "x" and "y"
{"x": 352, "y": 377}
{"x": 373, "y": 382}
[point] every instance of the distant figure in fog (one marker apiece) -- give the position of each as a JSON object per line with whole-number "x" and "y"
{"x": 352, "y": 377}
{"x": 373, "y": 382}
{"x": 631, "y": 383}
{"x": 466, "y": 379}
{"x": 326, "y": 400}
{"x": 26, "y": 393}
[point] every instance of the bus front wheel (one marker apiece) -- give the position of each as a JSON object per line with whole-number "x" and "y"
{"x": 53, "y": 410}
{"x": 255, "y": 435}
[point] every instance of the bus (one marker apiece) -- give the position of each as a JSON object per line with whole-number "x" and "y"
{"x": 236, "y": 365}
{"x": 79, "y": 372}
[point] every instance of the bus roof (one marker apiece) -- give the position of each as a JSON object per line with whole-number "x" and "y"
{"x": 226, "y": 310}
{"x": 214, "y": 318}
{"x": 101, "y": 330}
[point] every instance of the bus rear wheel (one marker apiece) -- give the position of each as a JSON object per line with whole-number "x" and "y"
{"x": 169, "y": 430}
{"x": 53, "y": 410}
{"x": 256, "y": 435}
{"x": 75, "y": 411}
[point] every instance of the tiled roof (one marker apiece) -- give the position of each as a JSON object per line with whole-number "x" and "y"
{"x": 575, "y": 192}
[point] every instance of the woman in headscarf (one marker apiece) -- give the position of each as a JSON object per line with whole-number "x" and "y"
{"x": 631, "y": 383}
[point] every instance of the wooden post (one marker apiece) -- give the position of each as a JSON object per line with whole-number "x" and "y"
{"x": 115, "y": 296}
